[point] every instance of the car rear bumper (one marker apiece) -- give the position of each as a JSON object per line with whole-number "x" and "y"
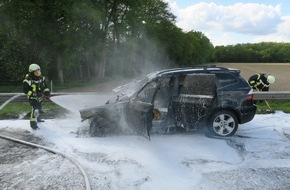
{"x": 248, "y": 114}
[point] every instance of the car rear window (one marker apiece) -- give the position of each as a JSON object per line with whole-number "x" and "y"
{"x": 226, "y": 78}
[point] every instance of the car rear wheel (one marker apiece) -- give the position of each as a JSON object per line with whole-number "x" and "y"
{"x": 99, "y": 127}
{"x": 223, "y": 123}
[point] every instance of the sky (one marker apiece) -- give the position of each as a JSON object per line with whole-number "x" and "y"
{"x": 227, "y": 22}
{"x": 258, "y": 158}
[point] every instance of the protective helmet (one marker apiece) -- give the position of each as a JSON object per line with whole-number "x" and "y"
{"x": 270, "y": 79}
{"x": 33, "y": 67}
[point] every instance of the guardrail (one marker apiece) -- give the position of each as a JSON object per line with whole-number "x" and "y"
{"x": 21, "y": 97}
{"x": 272, "y": 95}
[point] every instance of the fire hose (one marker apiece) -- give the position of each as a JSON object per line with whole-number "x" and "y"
{"x": 86, "y": 179}
{"x": 9, "y": 100}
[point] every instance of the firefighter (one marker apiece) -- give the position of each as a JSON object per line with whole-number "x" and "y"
{"x": 261, "y": 81}
{"x": 35, "y": 86}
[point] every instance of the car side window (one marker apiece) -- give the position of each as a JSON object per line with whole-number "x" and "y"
{"x": 181, "y": 79}
{"x": 226, "y": 78}
{"x": 147, "y": 93}
{"x": 164, "y": 92}
{"x": 199, "y": 84}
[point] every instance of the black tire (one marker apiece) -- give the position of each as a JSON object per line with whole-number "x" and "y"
{"x": 100, "y": 127}
{"x": 223, "y": 123}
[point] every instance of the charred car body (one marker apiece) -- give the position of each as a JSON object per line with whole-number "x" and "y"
{"x": 178, "y": 99}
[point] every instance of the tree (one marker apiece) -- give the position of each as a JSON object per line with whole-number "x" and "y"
{"x": 264, "y": 52}
{"x": 41, "y": 26}
{"x": 85, "y": 39}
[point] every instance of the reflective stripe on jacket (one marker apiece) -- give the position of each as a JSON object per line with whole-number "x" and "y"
{"x": 34, "y": 87}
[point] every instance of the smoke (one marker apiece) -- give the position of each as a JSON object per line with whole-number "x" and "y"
{"x": 137, "y": 57}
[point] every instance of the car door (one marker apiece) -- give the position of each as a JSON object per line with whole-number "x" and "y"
{"x": 140, "y": 109}
{"x": 195, "y": 99}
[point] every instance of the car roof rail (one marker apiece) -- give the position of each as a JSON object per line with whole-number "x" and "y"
{"x": 206, "y": 67}
{"x": 203, "y": 67}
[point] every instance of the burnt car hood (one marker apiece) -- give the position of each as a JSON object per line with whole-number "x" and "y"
{"x": 107, "y": 110}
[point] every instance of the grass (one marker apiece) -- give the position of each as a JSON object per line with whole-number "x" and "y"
{"x": 16, "y": 110}
{"x": 10, "y": 88}
{"x": 66, "y": 86}
{"x": 281, "y": 105}
{"x": 93, "y": 84}
{"x": 58, "y": 87}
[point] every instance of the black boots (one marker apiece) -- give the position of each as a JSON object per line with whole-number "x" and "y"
{"x": 33, "y": 125}
{"x": 40, "y": 120}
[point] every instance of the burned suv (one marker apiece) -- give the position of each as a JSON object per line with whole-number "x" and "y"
{"x": 180, "y": 99}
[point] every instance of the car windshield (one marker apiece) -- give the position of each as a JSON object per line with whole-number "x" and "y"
{"x": 131, "y": 88}
{"x": 147, "y": 93}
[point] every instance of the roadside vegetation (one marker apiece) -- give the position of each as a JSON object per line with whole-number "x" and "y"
{"x": 94, "y": 40}
{"x": 276, "y": 105}
{"x": 264, "y": 52}
{"x": 84, "y": 40}
{"x": 22, "y": 110}
{"x": 79, "y": 85}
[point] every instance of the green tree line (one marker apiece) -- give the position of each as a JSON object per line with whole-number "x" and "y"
{"x": 265, "y": 52}
{"x": 88, "y": 39}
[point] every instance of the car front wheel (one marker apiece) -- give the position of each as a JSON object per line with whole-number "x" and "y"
{"x": 223, "y": 123}
{"x": 99, "y": 127}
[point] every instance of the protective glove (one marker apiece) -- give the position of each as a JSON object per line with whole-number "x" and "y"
{"x": 33, "y": 102}
{"x": 46, "y": 95}
{"x": 38, "y": 94}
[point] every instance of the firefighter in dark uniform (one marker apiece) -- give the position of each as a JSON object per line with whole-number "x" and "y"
{"x": 35, "y": 86}
{"x": 261, "y": 81}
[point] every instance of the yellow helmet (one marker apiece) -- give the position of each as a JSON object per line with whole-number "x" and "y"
{"x": 33, "y": 67}
{"x": 270, "y": 79}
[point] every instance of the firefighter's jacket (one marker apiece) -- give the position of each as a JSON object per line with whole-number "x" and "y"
{"x": 259, "y": 82}
{"x": 35, "y": 87}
